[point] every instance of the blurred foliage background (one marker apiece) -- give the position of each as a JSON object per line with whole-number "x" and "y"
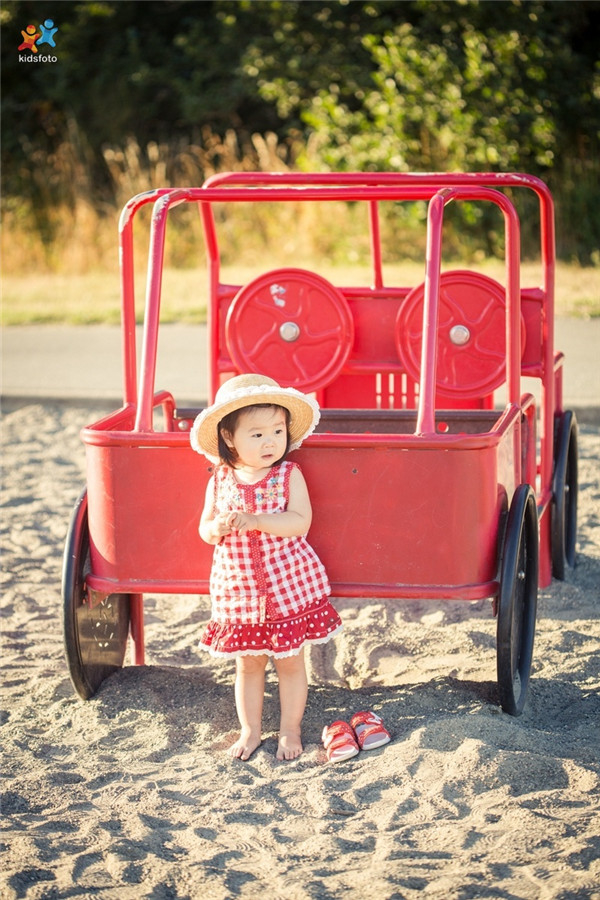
{"x": 167, "y": 92}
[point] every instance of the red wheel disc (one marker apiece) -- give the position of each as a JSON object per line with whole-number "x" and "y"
{"x": 291, "y": 325}
{"x": 471, "y": 360}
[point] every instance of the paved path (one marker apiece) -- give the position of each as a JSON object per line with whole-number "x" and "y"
{"x": 81, "y": 363}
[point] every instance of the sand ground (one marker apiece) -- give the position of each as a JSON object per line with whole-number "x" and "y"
{"x": 130, "y": 794}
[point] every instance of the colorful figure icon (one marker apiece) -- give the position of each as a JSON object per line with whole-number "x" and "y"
{"x": 48, "y": 32}
{"x": 30, "y": 36}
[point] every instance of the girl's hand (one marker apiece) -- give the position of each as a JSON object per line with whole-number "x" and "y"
{"x": 221, "y": 525}
{"x": 242, "y": 522}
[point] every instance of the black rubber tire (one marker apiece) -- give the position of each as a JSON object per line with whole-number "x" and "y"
{"x": 95, "y": 639}
{"x": 563, "y": 512}
{"x": 517, "y": 600}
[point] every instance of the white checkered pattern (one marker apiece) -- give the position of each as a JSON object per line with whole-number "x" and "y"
{"x": 258, "y": 577}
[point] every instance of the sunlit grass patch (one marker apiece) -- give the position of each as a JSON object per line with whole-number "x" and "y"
{"x": 95, "y": 298}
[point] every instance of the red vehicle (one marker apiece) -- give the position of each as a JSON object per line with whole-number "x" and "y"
{"x": 464, "y": 501}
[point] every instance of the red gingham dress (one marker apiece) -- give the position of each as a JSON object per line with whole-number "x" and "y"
{"x": 269, "y": 594}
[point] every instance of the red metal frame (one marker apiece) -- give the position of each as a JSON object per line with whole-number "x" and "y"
{"x": 433, "y": 483}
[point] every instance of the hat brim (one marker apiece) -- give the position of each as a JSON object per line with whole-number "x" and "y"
{"x": 304, "y": 416}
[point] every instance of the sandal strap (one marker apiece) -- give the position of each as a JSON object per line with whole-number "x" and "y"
{"x": 368, "y": 731}
{"x": 338, "y": 732}
{"x": 365, "y": 717}
{"x": 371, "y": 724}
{"x": 342, "y": 740}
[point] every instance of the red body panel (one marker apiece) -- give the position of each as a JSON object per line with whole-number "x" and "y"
{"x": 393, "y": 511}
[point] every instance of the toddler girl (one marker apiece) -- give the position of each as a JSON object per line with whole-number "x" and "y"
{"x": 269, "y": 590}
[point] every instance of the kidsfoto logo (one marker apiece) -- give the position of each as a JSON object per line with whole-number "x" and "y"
{"x": 33, "y": 38}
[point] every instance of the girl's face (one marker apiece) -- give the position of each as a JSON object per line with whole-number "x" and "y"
{"x": 259, "y": 438}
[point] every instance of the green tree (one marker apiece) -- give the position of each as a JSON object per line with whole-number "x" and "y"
{"x": 364, "y": 83}
{"x": 473, "y": 86}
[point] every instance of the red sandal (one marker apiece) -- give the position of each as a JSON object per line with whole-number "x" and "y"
{"x": 370, "y": 730}
{"x": 340, "y": 741}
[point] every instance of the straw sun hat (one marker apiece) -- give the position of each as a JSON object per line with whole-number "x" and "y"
{"x": 247, "y": 390}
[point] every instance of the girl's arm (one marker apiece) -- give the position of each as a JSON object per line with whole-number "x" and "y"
{"x": 213, "y": 527}
{"x": 292, "y": 522}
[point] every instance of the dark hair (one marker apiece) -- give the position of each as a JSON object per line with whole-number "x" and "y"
{"x": 229, "y": 423}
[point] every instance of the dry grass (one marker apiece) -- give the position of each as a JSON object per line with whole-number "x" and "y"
{"x": 64, "y": 232}
{"x": 72, "y": 275}
{"x": 94, "y": 298}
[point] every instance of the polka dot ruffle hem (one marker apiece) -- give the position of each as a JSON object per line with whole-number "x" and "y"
{"x": 317, "y": 624}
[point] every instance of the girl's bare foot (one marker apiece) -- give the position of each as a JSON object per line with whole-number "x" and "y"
{"x": 245, "y": 745}
{"x": 290, "y": 746}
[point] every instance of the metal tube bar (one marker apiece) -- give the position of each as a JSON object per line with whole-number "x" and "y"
{"x": 433, "y": 261}
{"x": 426, "y": 410}
{"x": 214, "y": 263}
{"x": 375, "y": 244}
{"x": 127, "y": 273}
